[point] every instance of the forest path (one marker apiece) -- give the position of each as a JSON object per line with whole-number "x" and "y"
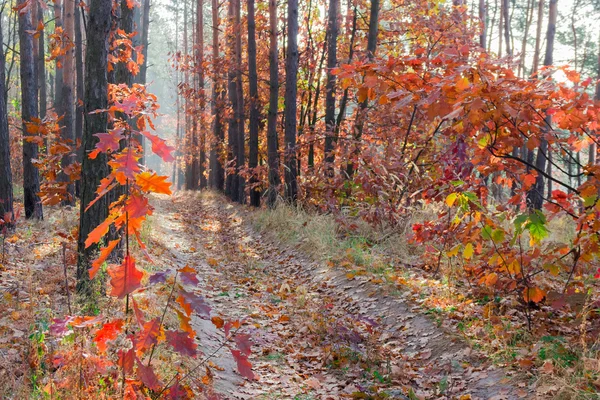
{"x": 316, "y": 334}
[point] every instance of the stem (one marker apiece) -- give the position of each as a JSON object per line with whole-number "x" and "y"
{"x": 162, "y": 318}
{"x": 64, "y": 251}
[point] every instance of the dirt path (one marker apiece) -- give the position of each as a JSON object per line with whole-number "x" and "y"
{"x": 316, "y": 334}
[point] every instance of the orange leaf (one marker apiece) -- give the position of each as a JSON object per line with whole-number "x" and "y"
{"x": 151, "y": 182}
{"x": 534, "y": 294}
{"x": 109, "y": 331}
{"x": 104, "y": 253}
{"x": 98, "y": 233}
{"x": 126, "y": 278}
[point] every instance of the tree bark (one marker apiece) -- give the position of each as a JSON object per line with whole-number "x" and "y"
{"x": 202, "y": 93}
{"x": 254, "y": 105}
{"x": 272, "y": 142}
{"x": 41, "y": 70}
{"x": 96, "y": 98}
{"x": 217, "y": 172}
{"x": 241, "y": 134}
{"x": 330, "y": 86}
{"x": 58, "y": 72}
{"x": 483, "y": 19}
{"x": 538, "y": 37}
{"x": 232, "y": 183}
{"x": 535, "y": 197}
{"x": 29, "y": 111}
{"x": 291, "y": 90}
{"x": 79, "y": 87}
{"x": 67, "y": 99}
{"x": 6, "y": 189}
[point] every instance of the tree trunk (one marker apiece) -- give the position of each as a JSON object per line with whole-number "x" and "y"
{"x": 330, "y": 86}
{"x": 191, "y": 172}
{"x": 67, "y": 98}
{"x": 506, "y": 19}
{"x": 254, "y": 106}
{"x": 41, "y": 69}
{"x": 217, "y": 171}
{"x": 231, "y": 185}
{"x": 241, "y": 154}
{"x": 96, "y": 98}
{"x": 362, "y": 111}
{"x": 272, "y": 142}
{"x": 6, "y": 189}
{"x": 29, "y": 111}
{"x": 535, "y": 197}
{"x": 593, "y": 149}
{"x": 58, "y": 72}
{"x": 144, "y": 41}
{"x": 202, "y": 98}
{"x": 483, "y": 20}
{"x": 79, "y": 87}
{"x": 538, "y": 37}
{"x": 291, "y": 89}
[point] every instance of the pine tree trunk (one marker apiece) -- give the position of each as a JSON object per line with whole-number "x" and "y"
{"x": 241, "y": 135}
{"x": 535, "y": 197}
{"x": 330, "y": 86}
{"x": 67, "y": 98}
{"x": 29, "y": 111}
{"x": 232, "y": 182}
{"x": 96, "y": 98}
{"x": 217, "y": 173}
{"x": 538, "y": 37}
{"x": 6, "y": 189}
{"x": 79, "y": 87}
{"x": 272, "y": 142}
{"x": 254, "y": 104}
{"x": 291, "y": 90}
{"x": 58, "y": 72}
{"x": 41, "y": 70}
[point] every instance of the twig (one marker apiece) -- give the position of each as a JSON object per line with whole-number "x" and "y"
{"x": 64, "y": 251}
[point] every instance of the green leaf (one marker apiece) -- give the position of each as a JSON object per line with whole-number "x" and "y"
{"x": 486, "y": 232}
{"x": 498, "y": 235}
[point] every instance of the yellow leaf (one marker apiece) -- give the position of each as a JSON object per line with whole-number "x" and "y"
{"x": 453, "y": 252}
{"x": 462, "y": 84}
{"x": 468, "y": 251}
{"x": 451, "y": 199}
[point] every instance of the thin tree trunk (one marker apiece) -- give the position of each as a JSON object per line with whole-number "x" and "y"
{"x": 254, "y": 106}
{"x": 272, "y": 143}
{"x": 291, "y": 90}
{"x": 506, "y": 19}
{"x": 528, "y": 20}
{"x": 538, "y": 37}
{"x": 330, "y": 86}
{"x": 202, "y": 99}
{"x": 535, "y": 197}
{"x": 483, "y": 20}
{"x": 96, "y": 98}
{"x": 58, "y": 74}
{"x": 216, "y": 168}
{"x": 362, "y": 111}
{"x": 67, "y": 98}
{"x": 593, "y": 149}
{"x": 240, "y": 157}
{"x": 6, "y": 189}
{"x": 41, "y": 70}
{"x": 79, "y": 87}
{"x": 231, "y": 185}
{"x": 29, "y": 111}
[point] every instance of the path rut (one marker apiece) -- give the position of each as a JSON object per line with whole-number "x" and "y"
{"x": 316, "y": 334}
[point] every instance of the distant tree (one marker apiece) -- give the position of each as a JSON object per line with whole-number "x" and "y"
{"x": 29, "y": 111}
{"x": 254, "y": 103}
{"x": 291, "y": 90}
{"x": 6, "y": 189}
{"x": 67, "y": 105}
{"x": 331, "y": 85}
{"x": 272, "y": 140}
{"x": 217, "y": 172}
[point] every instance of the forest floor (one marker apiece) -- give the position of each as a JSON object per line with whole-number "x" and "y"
{"x": 319, "y": 329}
{"x": 317, "y": 333}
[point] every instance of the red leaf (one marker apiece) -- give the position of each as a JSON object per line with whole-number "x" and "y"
{"x": 107, "y": 142}
{"x": 148, "y": 336}
{"x": 137, "y": 206}
{"x": 160, "y": 147}
{"x": 126, "y": 278}
{"x": 182, "y": 343}
{"x": 190, "y": 301}
{"x": 147, "y": 376}
{"x": 243, "y": 343}
{"x": 104, "y": 253}
{"x": 109, "y": 331}
{"x": 139, "y": 316}
{"x": 243, "y": 365}
{"x": 126, "y": 360}
{"x": 188, "y": 276}
{"x": 177, "y": 392}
